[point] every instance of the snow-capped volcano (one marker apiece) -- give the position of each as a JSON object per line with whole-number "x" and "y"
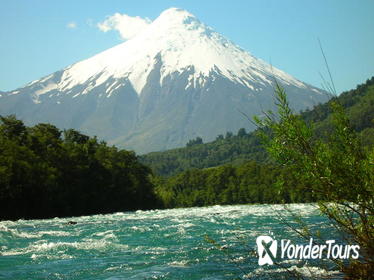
{"x": 175, "y": 80}
{"x": 181, "y": 41}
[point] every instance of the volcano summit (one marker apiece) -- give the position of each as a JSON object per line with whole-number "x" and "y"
{"x": 175, "y": 80}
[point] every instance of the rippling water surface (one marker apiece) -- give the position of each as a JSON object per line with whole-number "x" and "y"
{"x": 161, "y": 244}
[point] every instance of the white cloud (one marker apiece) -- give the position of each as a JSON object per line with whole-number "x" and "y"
{"x": 71, "y": 25}
{"x": 127, "y": 26}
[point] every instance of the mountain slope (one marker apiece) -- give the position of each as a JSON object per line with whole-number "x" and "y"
{"x": 175, "y": 80}
{"x": 237, "y": 149}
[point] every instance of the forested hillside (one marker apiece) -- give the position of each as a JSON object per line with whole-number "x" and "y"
{"x": 239, "y": 148}
{"x": 248, "y": 183}
{"x": 45, "y": 173}
{"x": 236, "y": 169}
{"x": 233, "y": 149}
{"x": 359, "y": 106}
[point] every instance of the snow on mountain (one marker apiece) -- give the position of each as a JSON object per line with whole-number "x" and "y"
{"x": 181, "y": 40}
{"x": 176, "y": 56}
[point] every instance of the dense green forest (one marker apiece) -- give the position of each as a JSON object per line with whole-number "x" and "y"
{"x": 45, "y": 173}
{"x": 226, "y": 149}
{"x": 239, "y": 148}
{"x": 248, "y": 183}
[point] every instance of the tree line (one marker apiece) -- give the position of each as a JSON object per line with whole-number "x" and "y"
{"x": 248, "y": 183}
{"x": 46, "y": 172}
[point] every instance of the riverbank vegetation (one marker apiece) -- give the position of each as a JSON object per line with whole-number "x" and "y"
{"x": 45, "y": 173}
{"x": 334, "y": 164}
{"x": 247, "y": 183}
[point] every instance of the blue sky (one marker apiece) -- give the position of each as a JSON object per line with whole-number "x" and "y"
{"x": 40, "y": 37}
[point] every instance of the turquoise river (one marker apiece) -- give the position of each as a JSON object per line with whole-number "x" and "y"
{"x": 217, "y": 242}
